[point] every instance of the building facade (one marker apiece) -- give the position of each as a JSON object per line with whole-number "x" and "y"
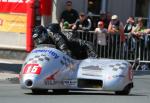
{"x": 123, "y": 8}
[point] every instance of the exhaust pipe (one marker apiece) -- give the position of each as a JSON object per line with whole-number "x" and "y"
{"x": 29, "y": 83}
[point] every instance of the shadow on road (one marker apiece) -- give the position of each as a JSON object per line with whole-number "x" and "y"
{"x": 85, "y": 93}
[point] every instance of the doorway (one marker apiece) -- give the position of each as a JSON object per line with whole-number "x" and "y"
{"x": 141, "y": 8}
{"x": 94, "y": 6}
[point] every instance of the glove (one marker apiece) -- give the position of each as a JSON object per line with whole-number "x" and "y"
{"x": 67, "y": 52}
{"x": 92, "y": 54}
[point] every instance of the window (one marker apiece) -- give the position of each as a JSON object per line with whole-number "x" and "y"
{"x": 141, "y": 8}
{"x": 94, "y": 6}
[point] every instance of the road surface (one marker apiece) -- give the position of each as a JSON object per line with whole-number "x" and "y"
{"x": 10, "y": 92}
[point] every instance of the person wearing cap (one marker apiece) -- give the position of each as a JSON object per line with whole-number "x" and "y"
{"x": 116, "y": 27}
{"x": 101, "y": 34}
{"x": 116, "y": 30}
{"x": 68, "y": 16}
{"x": 83, "y": 23}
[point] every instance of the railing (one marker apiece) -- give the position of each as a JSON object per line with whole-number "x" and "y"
{"x": 131, "y": 50}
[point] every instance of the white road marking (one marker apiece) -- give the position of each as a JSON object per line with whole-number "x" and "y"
{"x": 8, "y": 61}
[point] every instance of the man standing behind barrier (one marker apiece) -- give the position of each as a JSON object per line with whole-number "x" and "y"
{"x": 116, "y": 30}
{"x": 139, "y": 29}
{"x": 116, "y": 27}
{"x": 129, "y": 25}
{"x": 139, "y": 37}
{"x": 68, "y": 16}
{"x": 83, "y": 23}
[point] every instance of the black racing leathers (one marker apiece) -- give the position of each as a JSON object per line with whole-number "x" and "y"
{"x": 73, "y": 46}
{"x": 60, "y": 42}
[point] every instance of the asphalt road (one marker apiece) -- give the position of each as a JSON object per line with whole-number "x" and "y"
{"x": 10, "y": 92}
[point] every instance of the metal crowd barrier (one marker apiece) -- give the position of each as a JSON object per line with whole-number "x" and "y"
{"x": 132, "y": 49}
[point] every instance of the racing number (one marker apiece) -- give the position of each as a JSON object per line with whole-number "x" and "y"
{"x": 32, "y": 69}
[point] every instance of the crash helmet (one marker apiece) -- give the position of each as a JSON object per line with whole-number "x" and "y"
{"x": 54, "y": 28}
{"x": 40, "y": 35}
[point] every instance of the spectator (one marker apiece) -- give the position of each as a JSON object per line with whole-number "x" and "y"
{"x": 101, "y": 38}
{"x": 68, "y": 16}
{"x": 129, "y": 25}
{"x": 103, "y": 17}
{"x": 130, "y": 46}
{"x": 107, "y": 20}
{"x": 116, "y": 27}
{"x": 83, "y": 23}
{"x": 101, "y": 33}
{"x": 139, "y": 37}
{"x": 139, "y": 29}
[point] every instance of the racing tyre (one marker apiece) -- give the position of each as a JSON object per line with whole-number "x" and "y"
{"x": 125, "y": 91}
{"x": 39, "y": 91}
{"x": 60, "y": 91}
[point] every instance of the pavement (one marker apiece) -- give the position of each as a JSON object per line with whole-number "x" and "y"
{"x": 9, "y": 69}
{"x": 12, "y": 54}
{"x": 11, "y": 40}
{"x": 11, "y": 61}
{"x": 12, "y": 45}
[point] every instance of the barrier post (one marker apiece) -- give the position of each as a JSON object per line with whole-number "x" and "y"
{"x": 30, "y": 24}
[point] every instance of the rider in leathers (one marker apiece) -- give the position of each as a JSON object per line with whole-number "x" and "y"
{"x": 67, "y": 42}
